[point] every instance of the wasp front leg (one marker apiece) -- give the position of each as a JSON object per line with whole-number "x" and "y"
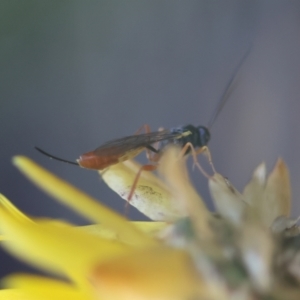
{"x": 194, "y": 152}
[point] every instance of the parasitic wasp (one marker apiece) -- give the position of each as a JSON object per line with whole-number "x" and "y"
{"x": 190, "y": 138}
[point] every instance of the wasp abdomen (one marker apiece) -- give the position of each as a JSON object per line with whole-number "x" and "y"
{"x": 90, "y": 160}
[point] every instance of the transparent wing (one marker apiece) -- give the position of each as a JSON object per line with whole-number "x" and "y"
{"x": 132, "y": 142}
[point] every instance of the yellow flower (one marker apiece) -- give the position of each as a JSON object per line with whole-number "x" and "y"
{"x": 190, "y": 254}
{"x": 79, "y": 254}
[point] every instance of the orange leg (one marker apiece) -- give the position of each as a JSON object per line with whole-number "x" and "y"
{"x": 135, "y": 182}
{"x": 209, "y": 157}
{"x": 146, "y": 129}
{"x": 150, "y": 156}
{"x": 136, "y": 179}
{"x": 195, "y": 153}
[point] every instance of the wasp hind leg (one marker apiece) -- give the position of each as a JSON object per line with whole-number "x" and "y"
{"x": 145, "y": 128}
{"x": 150, "y": 150}
{"x": 136, "y": 179}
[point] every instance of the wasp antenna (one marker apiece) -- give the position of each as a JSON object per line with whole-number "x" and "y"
{"x": 228, "y": 89}
{"x": 55, "y": 157}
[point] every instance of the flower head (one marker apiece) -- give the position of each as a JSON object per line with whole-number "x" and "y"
{"x": 246, "y": 250}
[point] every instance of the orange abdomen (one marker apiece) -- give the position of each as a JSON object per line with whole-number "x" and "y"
{"x": 92, "y": 161}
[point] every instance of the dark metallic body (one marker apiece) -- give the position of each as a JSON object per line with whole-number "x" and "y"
{"x": 198, "y": 137}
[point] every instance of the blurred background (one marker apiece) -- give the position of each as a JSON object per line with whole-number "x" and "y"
{"x": 75, "y": 74}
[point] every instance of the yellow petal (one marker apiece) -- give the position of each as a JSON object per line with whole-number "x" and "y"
{"x": 156, "y": 273}
{"x": 151, "y": 228}
{"x": 13, "y": 294}
{"x": 4, "y": 202}
{"x": 36, "y": 288}
{"x": 84, "y": 204}
{"x": 151, "y": 196}
{"x": 56, "y": 247}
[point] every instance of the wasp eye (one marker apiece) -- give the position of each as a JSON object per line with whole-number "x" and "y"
{"x": 204, "y": 136}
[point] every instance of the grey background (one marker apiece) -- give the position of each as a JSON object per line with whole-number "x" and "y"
{"x": 74, "y": 74}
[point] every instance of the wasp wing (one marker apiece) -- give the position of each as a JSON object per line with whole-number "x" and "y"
{"x": 133, "y": 142}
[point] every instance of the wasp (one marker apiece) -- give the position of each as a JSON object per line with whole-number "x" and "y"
{"x": 190, "y": 138}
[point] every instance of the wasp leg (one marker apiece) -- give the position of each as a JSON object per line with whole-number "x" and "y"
{"x": 209, "y": 157}
{"x": 150, "y": 151}
{"x": 145, "y": 128}
{"x": 136, "y": 179}
{"x": 194, "y": 153}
